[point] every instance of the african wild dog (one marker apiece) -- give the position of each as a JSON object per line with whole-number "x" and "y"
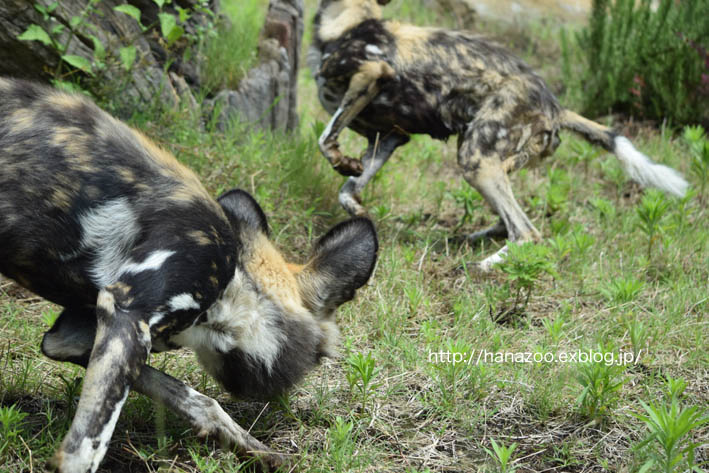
{"x": 99, "y": 220}
{"x": 386, "y": 80}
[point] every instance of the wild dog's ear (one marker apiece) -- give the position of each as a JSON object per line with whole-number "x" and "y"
{"x": 241, "y": 209}
{"x": 342, "y": 262}
{"x": 383, "y": 2}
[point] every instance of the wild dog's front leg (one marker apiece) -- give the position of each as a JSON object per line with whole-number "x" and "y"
{"x": 205, "y": 414}
{"x": 119, "y": 352}
{"x": 363, "y": 87}
{"x": 499, "y": 230}
{"x": 378, "y": 152}
{"x": 71, "y": 338}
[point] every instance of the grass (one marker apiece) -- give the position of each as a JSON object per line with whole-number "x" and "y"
{"x": 385, "y": 405}
{"x": 231, "y": 50}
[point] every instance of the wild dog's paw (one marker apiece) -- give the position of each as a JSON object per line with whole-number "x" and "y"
{"x": 349, "y": 166}
{"x": 214, "y": 422}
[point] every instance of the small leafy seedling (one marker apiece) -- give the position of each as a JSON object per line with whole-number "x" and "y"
{"x": 554, "y": 328}
{"x": 651, "y": 213}
{"x": 699, "y": 146}
{"x": 639, "y": 335}
{"x": 669, "y": 425}
{"x": 601, "y": 384}
{"x": 10, "y": 426}
{"x": 502, "y": 456}
{"x": 342, "y": 445}
{"x": 470, "y": 199}
{"x": 524, "y": 266}
{"x": 361, "y": 372}
{"x": 622, "y": 290}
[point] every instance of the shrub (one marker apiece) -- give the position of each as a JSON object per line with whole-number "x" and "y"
{"x": 634, "y": 59}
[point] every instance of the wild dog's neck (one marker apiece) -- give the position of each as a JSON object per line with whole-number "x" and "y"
{"x": 336, "y": 17}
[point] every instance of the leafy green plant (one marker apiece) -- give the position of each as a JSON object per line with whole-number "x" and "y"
{"x": 451, "y": 372}
{"x": 558, "y": 188}
{"x": 605, "y": 208}
{"x": 502, "y": 456}
{"x": 470, "y": 199}
{"x": 341, "y": 445}
{"x": 524, "y": 266}
{"x": 623, "y": 289}
{"x": 51, "y": 38}
{"x": 554, "y": 328}
{"x": 10, "y": 426}
{"x": 699, "y": 146}
{"x": 637, "y": 59}
{"x": 639, "y": 335}
{"x": 669, "y": 424}
{"x": 361, "y": 372}
{"x": 601, "y": 384}
{"x": 104, "y": 56}
{"x": 651, "y": 213}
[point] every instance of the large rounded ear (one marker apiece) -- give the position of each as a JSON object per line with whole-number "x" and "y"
{"x": 242, "y": 209}
{"x": 342, "y": 262}
{"x": 383, "y": 2}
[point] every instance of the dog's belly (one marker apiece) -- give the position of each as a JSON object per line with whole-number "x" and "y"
{"x": 401, "y": 107}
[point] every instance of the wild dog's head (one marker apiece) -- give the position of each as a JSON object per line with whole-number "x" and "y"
{"x": 276, "y": 320}
{"x": 334, "y": 17}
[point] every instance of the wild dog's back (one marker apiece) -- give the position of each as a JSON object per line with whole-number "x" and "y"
{"x": 441, "y": 76}
{"x": 73, "y": 180}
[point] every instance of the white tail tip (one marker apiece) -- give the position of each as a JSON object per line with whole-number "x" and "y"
{"x": 646, "y": 172}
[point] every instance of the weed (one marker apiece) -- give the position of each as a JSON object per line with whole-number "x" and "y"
{"x": 360, "y": 374}
{"x": 557, "y": 196}
{"x": 601, "y": 383}
{"x": 639, "y": 334}
{"x": 651, "y": 213}
{"x": 471, "y": 201}
{"x": 11, "y": 426}
{"x": 582, "y": 240}
{"x": 502, "y": 456}
{"x": 605, "y": 208}
{"x": 49, "y": 317}
{"x": 699, "y": 146}
{"x": 524, "y": 266}
{"x": 622, "y": 289}
{"x": 554, "y": 328}
{"x": 669, "y": 424}
{"x": 341, "y": 448}
{"x": 450, "y": 373}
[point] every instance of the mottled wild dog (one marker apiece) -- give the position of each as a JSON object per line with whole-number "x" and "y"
{"x": 99, "y": 220}
{"x": 386, "y": 80}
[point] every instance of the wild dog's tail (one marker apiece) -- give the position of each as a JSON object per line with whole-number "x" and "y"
{"x": 639, "y": 167}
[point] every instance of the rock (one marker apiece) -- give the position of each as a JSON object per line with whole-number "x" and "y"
{"x": 266, "y": 96}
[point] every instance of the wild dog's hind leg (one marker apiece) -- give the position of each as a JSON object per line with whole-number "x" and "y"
{"x": 363, "y": 87}
{"x": 120, "y": 348}
{"x": 482, "y": 155}
{"x": 378, "y": 152}
{"x": 71, "y": 337}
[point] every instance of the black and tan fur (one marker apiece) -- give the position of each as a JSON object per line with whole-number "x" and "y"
{"x": 387, "y": 80}
{"x": 99, "y": 220}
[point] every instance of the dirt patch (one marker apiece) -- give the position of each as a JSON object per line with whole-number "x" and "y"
{"x": 511, "y": 10}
